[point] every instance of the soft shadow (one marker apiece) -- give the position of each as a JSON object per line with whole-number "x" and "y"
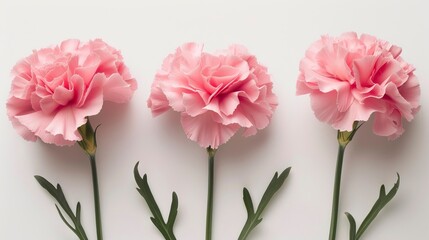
{"x": 239, "y": 147}
{"x": 115, "y": 123}
{"x": 72, "y": 161}
{"x": 366, "y": 141}
{"x": 62, "y": 160}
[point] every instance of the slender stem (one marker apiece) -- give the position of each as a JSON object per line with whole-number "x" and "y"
{"x": 336, "y": 195}
{"x": 96, "y": 197}
{"x": 209, "y": 218}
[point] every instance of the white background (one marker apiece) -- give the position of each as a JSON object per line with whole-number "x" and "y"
{"x": 278, "y": 33}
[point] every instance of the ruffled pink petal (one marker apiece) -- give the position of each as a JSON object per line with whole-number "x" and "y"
{"x": 174, "y": 97}
{"x": 55, "y": 76}
{"x": 242, "y": 67}
{"x": 93, "y": 97}
{"x": 258, "y": 114}
{"x": 238, "y": 117}
{"x": 325, "y": 108}
{"x": 117, "y": 90}
{"x": 332, "y": 58}
{"x": 229, "y": 103}
{"x": 16, "y": 107}
{"x": 22, "y": 69}
{"x": 89, "y": 68}
{"x": 363, "y": 69}
{"x": 389, "y": 125}
{"x": 344, "y": 96}
{"x": 23, "y": 130}
{"x": 395, "y": 51}
{"x": 224, "y": 75}
{"x": 191, "y": 53}
{"x": 411, "y": 91}
{"x": 62, "y": 95}
{"x": 401, "y": 104}
{"x": 157, "y": 101}
{"x": 387, "y": 70}
{"x": 22, "y": 88}
{"x": 69, "y": 46}
{"x": 37, "y": 123}
{"x": 78, "y": 86}
{"x": 207, "y": 132}
{"x": 303, "y": 87}
{"x": 48, "y": 105}
{"x": 249, "y": 90}
{"x": 194, "y": 105}
{"x": 36, "y": 98}
{"x": 132, "y": 82}
{"x": 356, "y": 112}
{"x": 68, "y": 119}
{"x": 65, "y": 123}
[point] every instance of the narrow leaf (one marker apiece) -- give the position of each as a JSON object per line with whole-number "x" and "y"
{"x": 78, "y": 211}
{"x": 58, "y": 194}
{"x": 79, "y": 227}
{"x": 382, "y": 192}
{"x": 381, "y": 202}
{"x": 173, "y": 212}
{"x": 160, "y": 227}
{"x": 273, "y": 187}
{"x": 147, "y": 193}
{"x": 166, "y": 229}
{"x": 64, "y": 219}
{"x": 352, "y": 226}
{"x": 61, "y": 198}
{"x": 47, "y": 185}
{"x": 248, "y": 203}
{"x": 254, "y": 218}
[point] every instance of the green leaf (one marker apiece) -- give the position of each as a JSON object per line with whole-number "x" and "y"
{"x": 166, "y": 229}
{"x": 58, "y": 194}
{"x": 78, "y": 210}
{"x": 381, "y": 202}
{"x": 173, "y": 211}
{"x": 254, "y": 218}
{"x": 248, "y": 202}
{"x": 64, "y": 219}
{"x": 352, "y": 226}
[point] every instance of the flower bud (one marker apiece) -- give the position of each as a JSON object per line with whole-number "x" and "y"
{"x": 344, "y": 137}
{"x": 89, "y": 139}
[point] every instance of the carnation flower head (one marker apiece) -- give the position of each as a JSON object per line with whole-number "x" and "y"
{"x": 216, "y": 94}
{"x": 351, "y": 78}
{"x": 55, "y": 89}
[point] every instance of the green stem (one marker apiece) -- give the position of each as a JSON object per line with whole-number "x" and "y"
{"x": 336, "y": 195}
{"x": 209, "y": 220}
{"x": 96, "y": 197}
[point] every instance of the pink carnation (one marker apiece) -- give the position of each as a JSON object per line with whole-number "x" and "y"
{"x": 216, "y": 94}
{"x": 349, "y": 78}
{"x": 55, "y": 89}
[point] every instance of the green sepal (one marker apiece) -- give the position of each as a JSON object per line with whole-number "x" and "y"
{"x": 89, "y": 138}
{"x": 254, "y": 218}
{"x": 166, "y": 229}
{"x": 344, "y": 137}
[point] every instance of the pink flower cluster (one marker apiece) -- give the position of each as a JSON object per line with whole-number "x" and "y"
{"x": 216, "y": 94}
{"x": 349, "y": 78}
{"x": 55, "y": 89}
